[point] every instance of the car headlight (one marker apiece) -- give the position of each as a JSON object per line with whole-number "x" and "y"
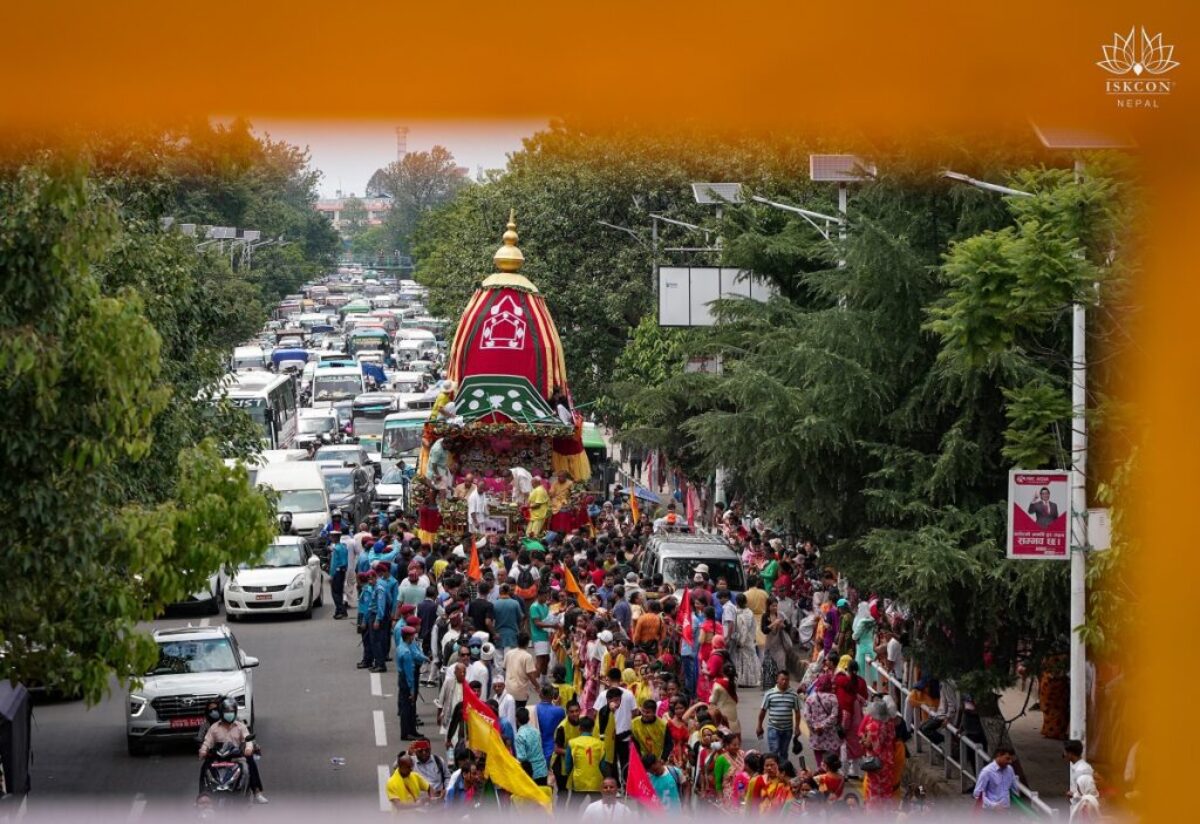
{"x": 234, "y": 587}
{"x": 137, "y": 704}
{"x": 298, "y": 581}
{"x": 240, "y": 698}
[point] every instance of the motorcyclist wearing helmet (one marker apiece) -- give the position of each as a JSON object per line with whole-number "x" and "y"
{"x": 337, "y": 523}
{"x": 285, "y": 524}
{"x": 229, "y": 730}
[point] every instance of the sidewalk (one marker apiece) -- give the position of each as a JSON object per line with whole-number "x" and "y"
{"x": 1040, "y": 757}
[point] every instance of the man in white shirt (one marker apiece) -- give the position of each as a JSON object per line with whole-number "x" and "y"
{"x": 522, "y": 484}
{"x": 477, "y": 509}
{"x": 608, "y": 808}
{"x": 1073, "y": 755}
{"x": 623, "y": 706}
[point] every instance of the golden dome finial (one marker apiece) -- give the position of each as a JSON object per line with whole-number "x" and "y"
{"x": 508, "y": 258}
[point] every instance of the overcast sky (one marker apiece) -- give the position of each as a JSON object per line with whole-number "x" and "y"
{"x": 349, "y": 153}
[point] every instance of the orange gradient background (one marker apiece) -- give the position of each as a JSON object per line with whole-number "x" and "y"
{"x": 896, "y": 69}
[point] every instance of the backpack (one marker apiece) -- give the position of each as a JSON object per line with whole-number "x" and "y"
{"x": 526, "y": 585}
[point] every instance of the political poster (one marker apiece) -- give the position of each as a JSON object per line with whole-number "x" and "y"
{"x": 1039, "y": 514}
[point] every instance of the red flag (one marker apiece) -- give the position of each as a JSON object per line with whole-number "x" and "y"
{"x": 684, "y": 615}
{"x": 473, "y": 571}
{"x": 637, "y": 783}
{"x": 690, "y": 498}
{"x": 473, "y": 703}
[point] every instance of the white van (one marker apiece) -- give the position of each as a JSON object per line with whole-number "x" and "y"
{"x": 248, "y": 357}
{"x": 301, "y": 489}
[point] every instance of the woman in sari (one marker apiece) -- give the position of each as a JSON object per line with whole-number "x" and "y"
{"x": 703, "y": 779}
{"x": 729, "y": 773}
{"x": 769, "y": 792}
{"x": 742, "y": 650}
{"x": 878, "y": 736}
{"x": 593, "y": 660}
{"x": 851, "y": 692}
{"x": 709, "y": 630}
{"x": 778, "y": 634}
{"x": 724, "y": 698}
{"x": 678, "y": 732}
{"x": 863, "y": 634}
{"x": 641, "y": 690}
{"x": 822, "y": 713}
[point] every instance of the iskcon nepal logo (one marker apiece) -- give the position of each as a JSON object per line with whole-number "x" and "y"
{"x": 1144, "y": 56}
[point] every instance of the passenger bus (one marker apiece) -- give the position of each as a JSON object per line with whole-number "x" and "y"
{"x": 367, "y": 418}
{"x": 371, "y": 338}
{"x": 336, "y": 383}
{"x": 402, "y": 433}
{"x": 270, "y": 400}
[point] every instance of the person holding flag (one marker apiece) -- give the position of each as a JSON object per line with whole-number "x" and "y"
{"x": 503, "y": 769}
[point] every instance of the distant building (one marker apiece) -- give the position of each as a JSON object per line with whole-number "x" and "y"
{"x": 376, "y": 208}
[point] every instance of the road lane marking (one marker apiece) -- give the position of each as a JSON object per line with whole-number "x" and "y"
{"x": 376, "y": 685}
{"x": 380, "y": 729}
{"x": 137, "y": 808}
{"x": 205, "y": 622}
{"x": 384, "y": 773}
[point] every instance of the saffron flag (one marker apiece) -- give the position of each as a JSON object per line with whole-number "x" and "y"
{"x": 684, "y": 615}
{"x": 690, "y": 498}
{"x": 572, "y": 586}
{"x": 483, "y": 735}
{"x": 473, "y": 571}
{"x": 637, "y": 783}
{"x": 633, "y": 507}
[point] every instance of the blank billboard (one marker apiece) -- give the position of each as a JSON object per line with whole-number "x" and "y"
{"x": 686, "y": 292}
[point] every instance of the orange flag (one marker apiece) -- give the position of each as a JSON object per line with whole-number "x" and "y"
{"x": 572, "y": 587}
{"x": 633, "y": 508}
{"x": 473, "y": 571}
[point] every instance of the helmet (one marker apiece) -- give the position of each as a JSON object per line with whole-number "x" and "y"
{"x": 336, "y": 512}
{"x": 228, "y": 705}
{"x": 285, "y": 521}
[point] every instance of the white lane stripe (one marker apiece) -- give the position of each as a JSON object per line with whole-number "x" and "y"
{"x": 205, "y": 622}
{"x": 384, "y": 773}
{"x": 23, "y": 808}
{"x": 376, "y": 685}
{"x": 137, "y": 808}
{"x": 380, "y": 729}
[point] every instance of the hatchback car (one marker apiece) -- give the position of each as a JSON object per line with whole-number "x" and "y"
{"x": 288, "y": 579}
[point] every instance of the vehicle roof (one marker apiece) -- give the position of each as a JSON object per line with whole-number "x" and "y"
{"x": 340, "y": 447}
{"x": 692, "y": 545}
{"x": 374, "y": 398}
{"x": 183, "y": 633}
{"x": 406, "y": 415}
{"x": 323, "y": 412}
{"x": 281, "y": 540}
{"x": 337, "y": 371}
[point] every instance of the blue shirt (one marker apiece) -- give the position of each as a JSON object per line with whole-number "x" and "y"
{"x": 995, "y": 786}
{"x": 366, "y": 602}
{"x": 392, "y": 587}
{"x": 339, "y": 558}
{"x": 527, "y": 746}
{"x": 549, "y": 716}
{"x": 666, "y": 787}
{"x": 507, "y": 617}
{"x": 408, "y": 658}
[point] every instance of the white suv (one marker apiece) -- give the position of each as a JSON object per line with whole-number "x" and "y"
{"x": 195, "y": 665}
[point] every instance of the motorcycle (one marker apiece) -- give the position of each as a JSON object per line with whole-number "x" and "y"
{"x": 225, "y": 777}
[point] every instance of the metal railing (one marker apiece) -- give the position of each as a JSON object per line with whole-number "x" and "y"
{"x": 970, "y": 754}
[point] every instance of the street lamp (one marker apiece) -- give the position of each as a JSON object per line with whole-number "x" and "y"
{"x": 1078, "y": 140}
{"x": 807, "y": 214}
{"x": 624, "y": 229}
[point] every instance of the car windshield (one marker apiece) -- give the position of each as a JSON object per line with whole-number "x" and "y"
{"x": 679, "y": 571}
{"x": 205, "y": 655}
{"x": 339, "y": 483}
{"x": 395, "y": 475}
{"x": 301, "y": 500}
{"x": 402, "y": 440}
{"x": 313, "y": 426}
{"x": 333, "y": 453}
{"x": 279, "y": 555}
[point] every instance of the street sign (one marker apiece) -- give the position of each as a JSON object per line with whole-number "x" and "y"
{"x": 1039, "y": 514}
{"x": 1099, "y": 528}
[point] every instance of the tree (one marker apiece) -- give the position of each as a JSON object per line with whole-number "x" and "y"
{"x": 80, "y": 388}
{"x": 354, "y": 218}
{"x": 417, "y": 183}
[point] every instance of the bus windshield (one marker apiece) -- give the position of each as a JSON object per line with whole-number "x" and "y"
{"x": 399, "y": 441}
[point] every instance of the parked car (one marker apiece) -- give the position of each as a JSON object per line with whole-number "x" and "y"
{"x": 195, "y": 665}
{"x": 675, "y": 556}
{"x": 288, "y": 579}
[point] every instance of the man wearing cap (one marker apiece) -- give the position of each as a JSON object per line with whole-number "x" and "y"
{"x": 430, "y": 767}
{"x": 366, "y": 617}
{"x": 385, "y": 608}
{"x": 408, "y": 661}
{"x": 339, "y": 562}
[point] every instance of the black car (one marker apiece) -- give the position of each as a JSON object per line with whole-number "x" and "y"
{"x": 351, "y": 489}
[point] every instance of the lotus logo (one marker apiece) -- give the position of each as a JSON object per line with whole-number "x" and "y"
{"x": 1120, "y": 58}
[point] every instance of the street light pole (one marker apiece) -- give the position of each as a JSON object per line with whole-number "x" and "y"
{"x": 1079, "y": 512}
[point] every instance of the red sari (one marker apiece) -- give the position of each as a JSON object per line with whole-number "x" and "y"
{"x": 678, "y": 733}
{"x": 879, "y": 741}
{"x": 851, "y": 698}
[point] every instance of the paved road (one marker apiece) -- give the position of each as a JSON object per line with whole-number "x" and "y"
{"x": 311, "y": 704}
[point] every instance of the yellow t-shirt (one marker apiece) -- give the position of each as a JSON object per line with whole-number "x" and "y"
{"x": 406, "y": 790}
{"x": 539, "y": 503}
{"x": 587, "y": 751}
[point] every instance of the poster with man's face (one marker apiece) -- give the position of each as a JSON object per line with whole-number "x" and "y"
{"x": 1039, "y": 505}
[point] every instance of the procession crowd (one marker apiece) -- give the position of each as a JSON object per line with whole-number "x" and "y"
{"x": 611, "y": 687}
